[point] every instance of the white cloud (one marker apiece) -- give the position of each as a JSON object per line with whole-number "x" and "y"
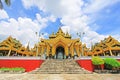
{"x": 97, "y": 5}
{"x": 65, "y": 29}
{"x": 73, "y": 14}
{"x": 117, "y": 36}
{"x": 3, "y": 14}
{"x": 24, "y": 29}
{"x": 39, "y": 3}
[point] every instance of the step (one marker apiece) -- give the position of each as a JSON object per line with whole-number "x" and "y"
{"x": 66, "y": 66}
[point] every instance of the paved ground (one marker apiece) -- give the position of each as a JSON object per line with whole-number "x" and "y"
{"x": 59, "y": 76}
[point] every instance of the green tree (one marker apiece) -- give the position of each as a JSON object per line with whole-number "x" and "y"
{"x": 111, "y": 63}
{"x": 7, "y": 2}
{"x": 97, "y": 60}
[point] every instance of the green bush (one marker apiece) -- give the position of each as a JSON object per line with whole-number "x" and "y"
{"x": 97, "y": 60}
{"x": 4, "y": 69}
{"x": 17, "y": 69}
{"x": 12, "y": 69}
{"x": 111, "y": 63}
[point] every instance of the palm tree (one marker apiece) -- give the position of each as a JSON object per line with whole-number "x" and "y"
{"x": 7, "y": 3}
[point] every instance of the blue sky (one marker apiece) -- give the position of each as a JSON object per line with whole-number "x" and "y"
{"x": 97, "y": 18}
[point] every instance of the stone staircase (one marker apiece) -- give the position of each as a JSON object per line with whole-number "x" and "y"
{"x": 55, "y": 66}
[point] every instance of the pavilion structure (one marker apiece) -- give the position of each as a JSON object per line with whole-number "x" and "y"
{"x": 107, "y": 47}
{"x": 60, "y": 45}
{"x": 13, "y": 47}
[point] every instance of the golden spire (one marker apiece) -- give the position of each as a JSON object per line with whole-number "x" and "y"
{"x": 52, "y": 35}
{"x": 28, "y": 48}
{"x": 67, "y": 35}
{"x": 60, "y": 32}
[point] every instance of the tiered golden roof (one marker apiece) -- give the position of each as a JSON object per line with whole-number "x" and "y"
{"x": 72, "y": 47}
{"x": 13, "y": 47}
{"x": 60, "y": 32}
{"x": 60, "y": 39}
{"x": 108, "y": 46}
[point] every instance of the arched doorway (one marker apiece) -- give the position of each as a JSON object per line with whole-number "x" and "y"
{"x": 60, "y": 53}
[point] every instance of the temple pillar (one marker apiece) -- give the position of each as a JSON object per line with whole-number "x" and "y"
{"x": 80, "y": 50}
{"x": 39, "y": 50}
{"x": 48, "y": 50}
{"x": 110, "y": 52}
{"x": 77, "y": 50}
{"x": 66, "y": 51}
{"x": 103, "y": 52}
{"x": 9, "y": 52}
{"x": 42, "y": 50}
{"x": 72, "y": 51}
{"x": 53, "y": 51}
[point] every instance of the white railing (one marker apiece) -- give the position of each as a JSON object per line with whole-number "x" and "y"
{"x": 40, "y": 58}
{"x": 20, "y": 58}
{"x": 89, "y": 57}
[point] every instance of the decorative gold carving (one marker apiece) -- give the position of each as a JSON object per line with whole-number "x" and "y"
{"x": 108, "y": 46}
{"x": 60, "y": 39}
{"x": 105, "y": 47}
{"x": 11, "y": 45}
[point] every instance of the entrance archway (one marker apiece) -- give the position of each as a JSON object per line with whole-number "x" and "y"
{"x": 60, "y": 53}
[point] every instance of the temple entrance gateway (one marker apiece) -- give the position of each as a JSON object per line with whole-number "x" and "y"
{"x": 60, "y": 46}
{"x": 60, "y": 53}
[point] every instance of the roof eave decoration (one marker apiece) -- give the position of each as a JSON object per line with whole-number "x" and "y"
{"x": 60, "y": 32}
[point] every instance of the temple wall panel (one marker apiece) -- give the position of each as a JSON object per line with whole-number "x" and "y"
{"x": 77, "y": 50}
{"x": 43, "y": 49}
{"x": 66, "y": 51}
{"x": 53, "y": 51}
{"x": 72, "y": 50}
{"x": 48, "y": 50}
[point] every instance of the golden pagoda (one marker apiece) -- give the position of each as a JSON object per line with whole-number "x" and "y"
{"x": 107, "y": 47}
{"x": 13, "y": 47}
{"x": 60, "y": 45}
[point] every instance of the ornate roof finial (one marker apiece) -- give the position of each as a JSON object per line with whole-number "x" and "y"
{"x": 60, "y": 30}
{"x": 28, "y": 48}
